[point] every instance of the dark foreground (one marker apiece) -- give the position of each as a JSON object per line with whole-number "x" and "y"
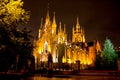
{"x": 64, "y": 75}
{"x": 72, "y": 77}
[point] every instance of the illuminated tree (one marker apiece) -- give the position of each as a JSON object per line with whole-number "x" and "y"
{"x": 109, "y": 55}
{"x": 15, "y": 41}
{"x": 11, "y": 13}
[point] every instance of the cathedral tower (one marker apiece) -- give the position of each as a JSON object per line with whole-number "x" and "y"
{"x": 78, "y": 34}
{"x": 62, "y": 36}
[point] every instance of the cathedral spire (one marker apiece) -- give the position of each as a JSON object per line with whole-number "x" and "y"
{"x": 64, "y": 28}
{"x": 83, "y": 32}
{"x": 41, "y": 26}
{"x": 73, "y": 29}
{"x": 77, "y": 25}
{"x": 47, "y": 18}
{"x": 60, "y": 29}
{"x": 54, "y": 25}
{"x": 54, "y": 21}
{"x": 77, "y": 21}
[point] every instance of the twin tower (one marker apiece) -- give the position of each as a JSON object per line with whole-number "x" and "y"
{"x": 50, "y": 26}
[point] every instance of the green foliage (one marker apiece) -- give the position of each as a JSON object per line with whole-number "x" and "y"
{"x": 108, "y": 47}
{"x": 109, "y": 56}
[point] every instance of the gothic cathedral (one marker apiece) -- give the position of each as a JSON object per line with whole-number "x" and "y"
{"x": 50, "y": 37}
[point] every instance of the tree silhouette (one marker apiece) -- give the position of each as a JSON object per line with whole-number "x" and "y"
{"x": 98, "y": 60}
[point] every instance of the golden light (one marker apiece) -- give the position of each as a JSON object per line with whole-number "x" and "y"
{"x": 63, "y": 38}
{"x": 69, "y": 61}
{"x": 52, "y": 31}
{"x": 39, "y": 51}
{"x": 63, "y": 60}
{"x": 89, "y": 63}
{"x": 71, "y": 52}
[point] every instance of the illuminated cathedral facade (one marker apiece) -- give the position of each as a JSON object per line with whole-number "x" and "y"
{"x": 52, "y": 38}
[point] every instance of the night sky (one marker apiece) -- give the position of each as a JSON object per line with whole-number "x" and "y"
{"x": 100, "y": 18}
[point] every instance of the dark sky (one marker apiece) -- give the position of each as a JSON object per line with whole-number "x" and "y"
{"x": 100, "y": 18}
